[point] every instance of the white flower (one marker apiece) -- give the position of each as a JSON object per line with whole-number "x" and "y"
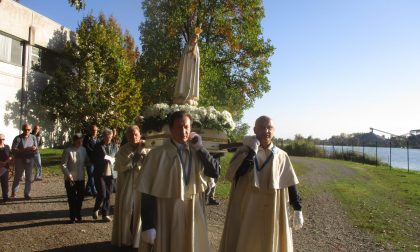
{"x": 206, "y": 117}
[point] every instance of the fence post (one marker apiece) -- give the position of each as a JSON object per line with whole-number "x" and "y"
{"x": 363, "y": 153}
{"x": 342, "y": 150}
{"x": 408, "y": 156}
{"x": 390, "y": 154}
{"x": 376, "y": 154}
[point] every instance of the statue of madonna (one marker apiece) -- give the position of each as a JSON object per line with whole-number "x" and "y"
{"x": 188, "y": 78}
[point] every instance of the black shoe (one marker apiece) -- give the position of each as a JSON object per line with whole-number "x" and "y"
{"x": 213, "y": 202}
{"x": 79, "y": 219}
{"x": 27, "y": 197}
{"x": 95, "y": 214}
{"x": 71, "y": 221}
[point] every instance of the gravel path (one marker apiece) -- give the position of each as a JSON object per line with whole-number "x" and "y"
{"x": 326, "y": 226}
{"x": 41, "y": 224}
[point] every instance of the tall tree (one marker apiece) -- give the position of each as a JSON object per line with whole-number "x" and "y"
{"x": 78, "y": 4}
{"x": 234, "y": 55}
{"x": 96, "y": 82}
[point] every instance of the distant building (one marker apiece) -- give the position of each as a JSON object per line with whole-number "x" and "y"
{"x": 26, "y": 37}
{"x": 415, "y": 132}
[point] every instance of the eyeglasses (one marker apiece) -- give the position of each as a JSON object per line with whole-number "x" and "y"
{"x": 27, "y": 129}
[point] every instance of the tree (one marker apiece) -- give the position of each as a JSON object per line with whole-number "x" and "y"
{"x": 96, "y": 82}
{"x": 78, "y": 4}
{"x": 237, "y": 135}
{"x": 234, "y": 55}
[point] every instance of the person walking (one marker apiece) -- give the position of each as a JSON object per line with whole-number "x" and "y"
{"x": 103, "y": 159}
{"x": 89, "y": 142}
{"x": 36, "y": 131}
{"x": 128, "y": 163}
{"x": 24, "y": 148}
{"x": 263, "y": 180}
{"x": 172, "y": 182}
{"x": 5, "y": 158}
{"x": 73, "y": 165}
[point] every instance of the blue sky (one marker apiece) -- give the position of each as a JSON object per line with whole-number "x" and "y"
{"x": 340, "y": 66}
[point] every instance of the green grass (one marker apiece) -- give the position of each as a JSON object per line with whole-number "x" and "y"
{"x": 223, "y": 186}
{"x": 382, "y": 201}
{"x": 51, "y": 159}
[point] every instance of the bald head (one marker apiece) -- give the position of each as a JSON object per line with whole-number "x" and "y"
{"x": 264, "y": 130}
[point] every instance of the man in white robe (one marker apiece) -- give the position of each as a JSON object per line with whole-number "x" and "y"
{"x": 263, "y": 179}
{"x": 127, "y": 222}
{"x": 172, "y": 182}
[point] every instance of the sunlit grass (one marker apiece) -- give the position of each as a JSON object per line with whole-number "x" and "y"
{"x": 223, "y": 186}
{"x": 382, "y": 201}
{"x": 51, "y": 159}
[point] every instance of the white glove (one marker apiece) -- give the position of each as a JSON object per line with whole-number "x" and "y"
{"x": 196, "y": 141}
{"x": 297, "y": 220}
{"x": 252, "y": 142}
{"x": 149, "y": 236}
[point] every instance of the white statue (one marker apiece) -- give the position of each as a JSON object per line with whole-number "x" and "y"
{"x": 188, "y": 78}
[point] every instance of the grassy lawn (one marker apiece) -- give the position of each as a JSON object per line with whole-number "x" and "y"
{"x": 51, "y": 159}
{"x": 385, "y": 202}
{"x": 223, "y": 186}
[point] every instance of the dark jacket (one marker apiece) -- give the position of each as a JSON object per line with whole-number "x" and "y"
{"x": 98, "y": 158}
{"x": 89, "y": 143}
{"x": 5, "y": 154}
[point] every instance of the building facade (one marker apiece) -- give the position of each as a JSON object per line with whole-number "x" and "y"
{"x": 29, "y": 44}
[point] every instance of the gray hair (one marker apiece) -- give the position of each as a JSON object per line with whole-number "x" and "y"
{"x": 106, "y": 132}
{"x": 131, "y": 129}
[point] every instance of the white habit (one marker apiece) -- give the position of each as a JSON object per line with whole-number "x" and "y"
{"x": 181, "y": 223}
{"x": 257, "y": 215}
{"x": 127, "y": 223}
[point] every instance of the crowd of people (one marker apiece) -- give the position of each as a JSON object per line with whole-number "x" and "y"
{"x": 161, "y": 193}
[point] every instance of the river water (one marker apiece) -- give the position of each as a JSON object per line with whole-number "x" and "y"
{"x": 399, "y": 157}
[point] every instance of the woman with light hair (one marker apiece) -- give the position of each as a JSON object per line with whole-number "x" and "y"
{"x": 73, "y": 164}
{"x": 36, "y": 131}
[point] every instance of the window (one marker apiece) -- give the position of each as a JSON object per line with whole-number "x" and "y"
{"x": 10, "y": 50}
{"x": 44, "y": 60}
{"x": 35, "y": 57}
